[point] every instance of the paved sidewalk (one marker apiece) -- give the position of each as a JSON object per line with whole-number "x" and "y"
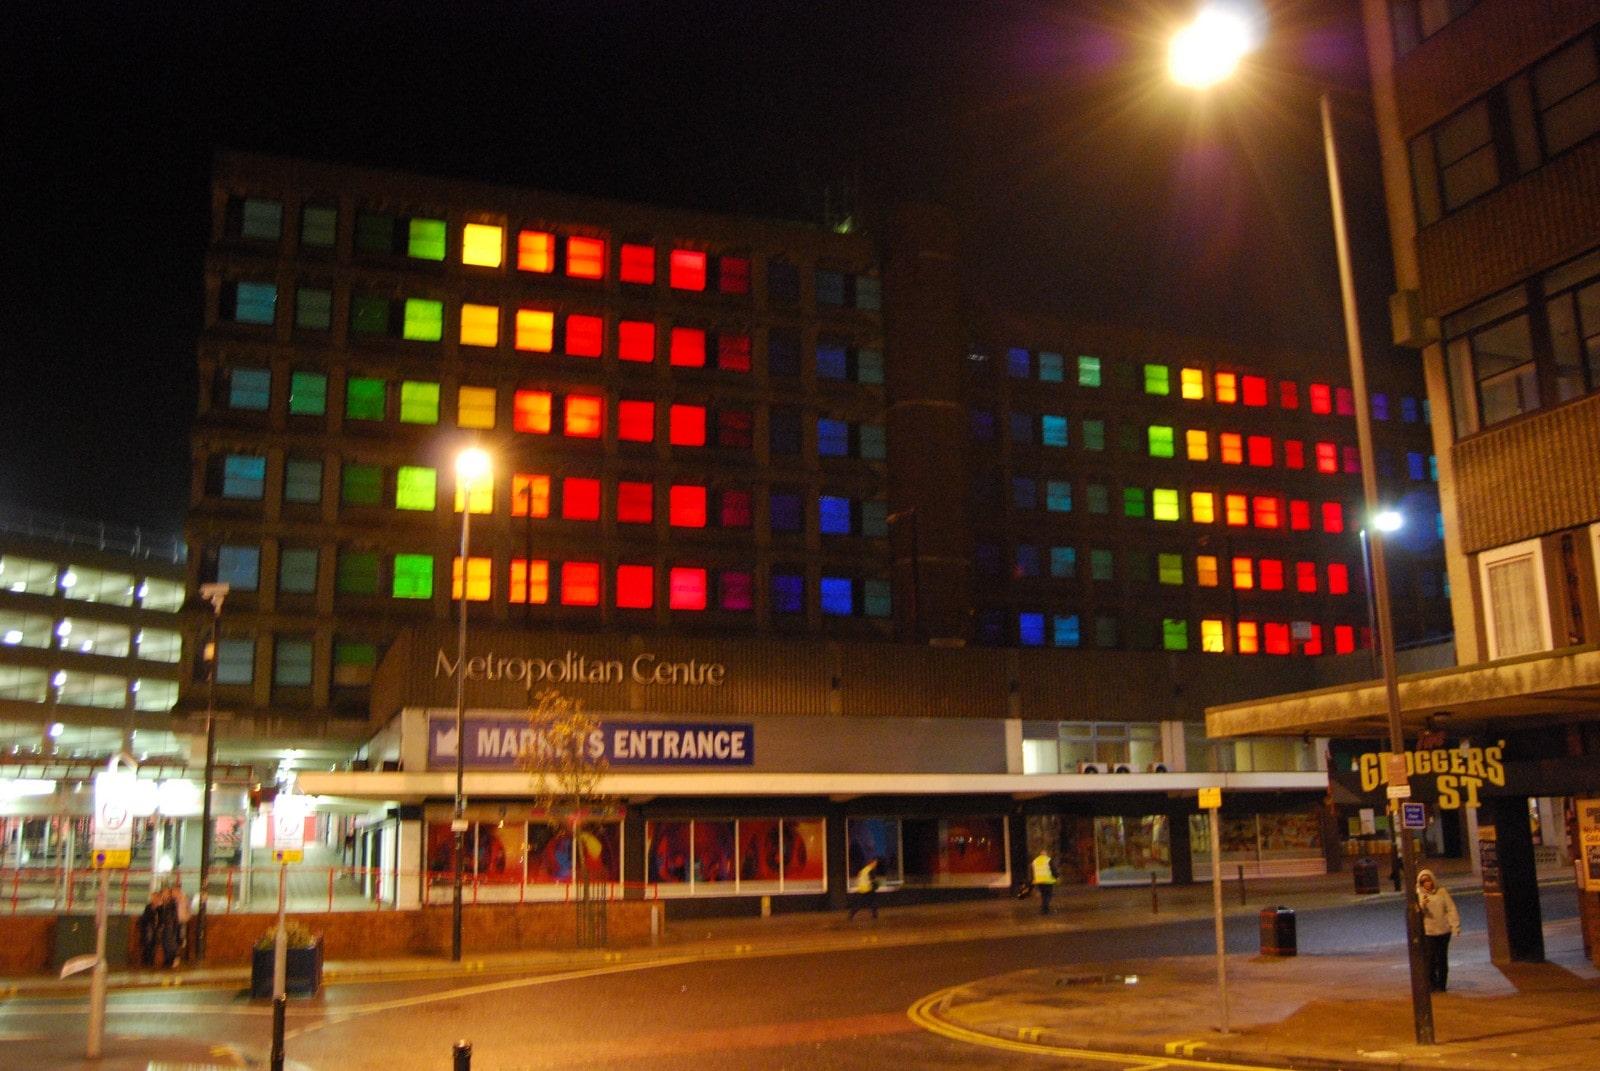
{"x": 1318, "y": 1009}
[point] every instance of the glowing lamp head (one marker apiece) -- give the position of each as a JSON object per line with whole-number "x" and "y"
{"x": 472, "y": 465}
{"x": 1209, "y": 49}
{"x": 1388, "y": 520}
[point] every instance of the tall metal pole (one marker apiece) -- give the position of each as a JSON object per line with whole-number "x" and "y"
{"x": 1421, "y": 997}
{"x": 215, "y": 594}
{"x": 458, "y": 821}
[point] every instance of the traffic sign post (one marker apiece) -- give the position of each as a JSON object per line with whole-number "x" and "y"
{"x": 1211, "y": 802}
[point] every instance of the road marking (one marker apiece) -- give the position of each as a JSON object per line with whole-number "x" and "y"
{"x": 1029, "y": 1033}
{"x": 1183, "y": 1048}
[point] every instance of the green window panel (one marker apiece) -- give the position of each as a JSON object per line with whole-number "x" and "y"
{"x": 1174, "y": 634}
{"x": 1053, "y": 430}
{"x": 356, "y": 573}
{"x": 1157, "y": 379}
{"x": 369, "y": 315}
{"x": 250, "y": 388}
{"x": 261, "y": 219}
{"x": 1052, "y": 369}
{"x": 425, "y": 239}
{"x": 308, "y": 394}
{"x": 1133, "y": 502}
{"x": 302, "y": 480}
{"x": 319, "y": 226}
{"x": 419, "y": 402}
{"x": 374, "y": 233}
{"x": 291, "y": 662}
{"x": 364, "y": 398}
{"x": 874, "y": 445}
{"x": 1162, "y": 441}
{"x": 353, "y": 663}
{"x": 424, "y": 320}
{"x": 869, "y": 366}
{"x": 1169, "y": 568}
{"x": 416, "y": 488}
{"x": 875, "y": 598}
{"x": 1058, "y": 496}
{"x": 1096, "y": 498}
{"x": 361, "y": 485}
{"x": 297, "y": 570}
{"x": 1088, "y": 371}
{"x": 1101, "y": 565}
{"x": 413, "y": 576}
{"x": 313, "y": 308}
{"x": 1164, "y": 504}
{"x": 1094, "y": 434}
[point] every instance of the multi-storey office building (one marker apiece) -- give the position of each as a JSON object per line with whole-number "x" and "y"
{"x": 774, "y": 450}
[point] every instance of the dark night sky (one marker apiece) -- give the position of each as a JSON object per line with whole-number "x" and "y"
{"x": 1085, "y": 185}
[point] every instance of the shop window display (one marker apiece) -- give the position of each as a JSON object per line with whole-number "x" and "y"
{"x": 731, "y": 857}
{"x": 524, "y": 858}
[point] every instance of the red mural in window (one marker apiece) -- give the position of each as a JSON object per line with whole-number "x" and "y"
{"x": 636, "y": 341}
{"x": 686, "y": 506}
{"x": 687, "y": 347}
{"x": 636, "y": 586}
{"x": 686, "y": 270}
{"x": 635, "y": 502}
{"x": 636, "y": 421}
{"x": 687, "y": 425}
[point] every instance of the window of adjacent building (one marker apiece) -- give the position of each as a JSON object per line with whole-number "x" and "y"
{"x": 1327, "y": 457}
{"x": 360, "y": 484}
{"x": 1515, "y": 606}
{"x": 483, "y": 245}
{"x": 313, "y": 308}
{"x": 297, "y": 570}
{"x": 413, "y": 576}
{"x": 480, "y": 325}
{"x": 1157, "y": 379}
{"x": 319, "y": 226}
{"x": 475, "y": 407}
{"x": 250, "y": 302}
{"x": 292, "y": 662}
{"x": 365, "y": 398}
{"x": 244, "y": 476}
{"x": 1088, "y": 371}
{"x": 419, "y": 402}
{"x": 302, "y": 480}
{"x": 415, "y": 488}
{"x": 637, "y": 263}
{"x": 308, "y": 394}
{"x": 160, "y": 645}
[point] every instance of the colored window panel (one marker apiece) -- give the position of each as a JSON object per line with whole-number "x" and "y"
{"x": 535, "y": 330}
{"x": 1053, "y": 430}
{"x": 1030, "y": 630}
{"x": 635, "y": 502}
{"x": 1332, "y": 517}
{"x": 1066, "y": 630}
{"x": 1344, "y": 639}
{"x": 1203, "y": 507}
{"x": 302, "y": 480}
{"x": 733, "y": 353}
{"x": 1294, "y": 454}
{"x": 1299, "y": 515}
{"x": 1205, "y": 571}
{"x": 1019, "y": 363}
{"x": 374, "y": 233}
{"x": 297, "y": 570}
{"x": 313, "y": 308}
{"x": 530, "y": 411}
{"x": 480, "y": 579}
{"x": 1026, "y": 560}
{"x": 356, "y": 573}
{"x": 832, "y": 361}
{"x": 1058, "y": 496}
{"x": 255, "y": 303}
{"x": 833, "y": 515}
{"x": 1021, "y": 428}
{"x": 419, "y": 402}
{"x": 784, "y": 512}
{"x": 369, "y": 315}
{"x": 1064, "y": 563}
{"x": 1052, "y": 368}
{"x": 788, "y": 593}
{"x": 1088, "y": 371}
{"x": 1305, "y": 576}
{"x": 1174, "y": 634}
{"x": 1192, "y": 384}
{"x": 733, "y": 277}
{"x": 530, "y": 582}
{"x": 1414, "y": 466}
{"x": 424, "y": 320}
{"x": 413, "y": 576}
{"x": 1197, "y": 444}
{"x": 415, "y": 488}
{"x": 1270, "y": 573}
{"x": 637, "y": 264}
{"x": 686, "y": 347}
{"x": 736, "y": 590}
{"x": 1289, "y": 394}
{"x": 1236, "y": 510}
{"x": 536, "y": 251}
{"x": 1344, "y": 401}
{"x": 480, "y": 325}
{"x": 584, "y": 416}
{"x": 686, "y": 425}
{"x": 1230, "y": 448}
{"x": 1352, "y": 459}
{"x": 1327, "y": 457}
{"x": 1162, "y": 443}
{"x": 1408, "y": 410}
{"x": 636, "y": 421}
{"x": 1226, "y": 390}
{"x": 1276, "y": 638}
{"x": 365, "y": 398}
{"x": 636, "y": 587}
{"x": 837, "y": 596}
{"x": 833, "y": 438}
{"x": 737, "y": 509}
{"x": 1313, "y": 643}
{"x": 736, "y": 431}
{"x": 585, "y": 334}
{"x": 580, "y": 499}
{"x": 686, "y": 270}
{"x": 686, "y": 588}
{"x": 686, "y": 506}
{"x": 1380, "y": 406}
{"x": 1253, "y": 390}
{"x": 1157, "y": 379}
{"x": 1338, "y": 579}
{"x": 239, "y": 567}
{"x": 319, "y": 226}
{"x": 636, "y": 341}
{"x": 586, "y": 259}
{"x": 259, "y": 218}
{"x": 1102, "y": 565}
{"x": 1169, "y": 568}
{"x": 1249, "y": 641}
{"x": 482, "y": 495}
{"x": 1244, "y": 574}
{"x": 580, "y": 583}
{"x": 1094, "y": 435}
{"x": 251, "y": 388}
{"x": 1024, "y": 492}
{"x": 425, "y": 239}
{"x": 1268, "y": 511}
{"x": 530, "y": 495}
{"x": 1321, "y": 398}
{"x": 1164, "y": 504}
{"x": 1213, "y": 637}
{"x": 483, "y": 245}
{"x": 475, "y": 407}
{"x": 1259, "y": 450}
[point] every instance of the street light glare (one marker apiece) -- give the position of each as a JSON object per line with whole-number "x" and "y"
{"x": 1388, "y": 520}
{"x": 1208, "y": 50}
{"x": 472, "y": 464}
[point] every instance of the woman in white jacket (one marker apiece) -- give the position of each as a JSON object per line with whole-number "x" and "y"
{"x": 1440, "y": 922}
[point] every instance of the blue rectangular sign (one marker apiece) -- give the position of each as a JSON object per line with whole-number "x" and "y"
{"x": 1413, "y": 816}
{"x": 497, "y": 743}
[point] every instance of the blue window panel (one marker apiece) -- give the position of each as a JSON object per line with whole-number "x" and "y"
{"x": 1408, "y": 410}
{"x": 832, "y": 361}
{"x": 1380, "y": 406}
{"x": 1414, "y": 466}
{"x": 1018, "y": 364}
{"x": 250, "y": 388}
{"x": 786, "y": 513}
{"x": 1427, "y": 411}
{"x": 1433, "y": 467}
{"x": 244, "y": 476}
{"x": 1024, "y": 492}
{"x": 833, "y": 438}
{"x": 838, "y": 596}
{"x": 869, "y": 366}
{"x": 1064, "y": 563}
{"x": 1058, "y": 496}
{"x": 236, "y": 661}
{"x": 875, "y": 519}
{"x": 239, "y": 567}
{"x": 830, "y": 287}
{"x": 1052, "y": 368}
{"x": 875, "y": 598}
{"x": 982, "y": 425}
{"x": 255, "y": 303}
{"x": 1030, "y": 630}
{"x": 833, "y": 515}
{"x": 873, "y": 442}
{"x": 1021, "y": 428}
{"x": 788, "y": 593}
{"x": 1027, "y": 557}
{"x": 1066, "y": 631}
{"x": 1053, "y": 430}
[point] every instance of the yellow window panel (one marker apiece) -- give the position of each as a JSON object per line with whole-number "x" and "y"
{"x": 1203, "y": 507}
{"x": 1213, "y": 638}
{"x": 1244, "y": 574}
{"x": 480, "y": 325}
{"x": 536, "y": 330}
{"x": 1237, "y": 508}
{"x": 1193, "y": 382}
{"x": 1198, "y": 444}
{"x": 482, "y": 498}
{"x": 475, "y": 407}
{"x": 483, "y": 245}
{"x": 530, "y": 581}
{"x": 479, "y": 579}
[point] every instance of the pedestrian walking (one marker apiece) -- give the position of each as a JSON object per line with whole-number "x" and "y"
{"x": 864, "y": 890}
{"x": 1440, "y": 922}
{"x": 150, "y": 929}
{"x": 167, "y": 926}
{"x": 1044, "y": 879}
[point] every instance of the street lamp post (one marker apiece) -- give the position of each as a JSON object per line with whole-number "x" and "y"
{"x": 1387, "y": 521}
{"x": 471, "y": 465}
{"x": 1206, "y": 52}
{"x": 214, "y": 594}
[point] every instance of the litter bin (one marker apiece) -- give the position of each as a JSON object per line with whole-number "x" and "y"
{"x": 1277, "y": 932}
{"x": 75, "y": 936}
{"x": 1366, "y": 875}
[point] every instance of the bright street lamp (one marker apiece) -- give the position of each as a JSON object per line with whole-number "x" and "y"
{"x": 472, "y": 466}
{"x": 1211, "y": 29}
{"x": 1209, "y": 49}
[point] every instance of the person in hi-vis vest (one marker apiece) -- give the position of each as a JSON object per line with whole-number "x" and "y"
{"x": 1044, "y": 879}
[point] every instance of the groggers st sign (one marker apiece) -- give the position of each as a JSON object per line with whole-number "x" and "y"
{"x": 1455, "y": 774}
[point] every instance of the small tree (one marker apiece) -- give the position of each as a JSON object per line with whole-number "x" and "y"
{"x": 565, "y": 754}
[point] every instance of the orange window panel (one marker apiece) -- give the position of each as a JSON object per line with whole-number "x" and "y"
{"x": 530, "y": 495}
{"x": 586, "y": 258}
{"x": 580, "y": 498}
{"x": 686, "y": 506}
{"x": 1305, "y": 576}
{"x": 585, "y": 335}
{"x": 686, "y": 270}
{"x": 1236, "y": 510}
{"x": 536, "y": 330}
{"x": 1268, "y": 511}
{"x": 1321, "y": 398}
{"x": 636, "y": 587}
{"x": 1277, "y": 638}
{"x": 1344, "y": 639}
{"x": 584, "y": 419}
{"x": 1294, "y": 454}
{"x": 1260, "y": 451}
{"x": 635, "y": 502}
{"x": 1338, "y": 579}
{"x": 1227, "y": 388}
{"x": 1203, "y": 507}
{"x": 1327, "y": 457}
{"x": 1253, "y": 390}
{"x": 530, "y": 411}
{"x": 1249, "y": 633}
{"x": 536, "y": 251}
{"x": 687, "y": 425}
{"x": 1205, "y": 571}
{"x": 686, "y": 347}
{"x": 1197, "y": 444}
{"x": 480, "y": 325}
{"x": 580, "y": 583}
{"x": 1332, "y": 517}
{"x": 686, "y": 589}
{"x": 636, "y": 341}
{"x": 1299, "y": 515}
{"x": 636, "y": 421}
{"x": 530, "y": 581}
{"x": 1230, "y": 448}
{"x": 637, "y": 264}
{"x": 479, "y": 579}
{"x": 733, "y": 353}
{"x": 1270, "y": 573}
{"x": 1244, "y": 574}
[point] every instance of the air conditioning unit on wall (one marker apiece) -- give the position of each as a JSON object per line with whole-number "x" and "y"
{"x": 1122, "y": 767}
{"x": 1156, "y": 767}
{"x": 1093, "y": 767}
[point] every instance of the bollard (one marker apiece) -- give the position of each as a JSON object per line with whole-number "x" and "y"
{"x": 1241, "y": 884}
{"x": 280, "y": 1004}
{"x": 462, "y": 1055}
{"x": 1155, "y": 903}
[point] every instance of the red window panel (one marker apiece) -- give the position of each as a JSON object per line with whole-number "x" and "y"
{"x": 585, "y": 335}
{"x": 686, "y": 425}
{"x": 1321, "y": 398}
{"x": 1289, "y": 394}
{"x": 1236, "y": 510}
{"x": 1344, "y": 401}
{"x": 686, "y": 270}
{"x": 687, "y": 347}
{"x": 530, "y": 495}
{"x": 1314, "y": 641}
{"x": 1230, "y": 448}
{"x": 1244, "y": 574}
{"x": 1299, "y": 515}
{"x": 1352, "y": 459}
{"x": 1254, "y": 390}
{"x": 536, "y": 251}
{"x": 586, "y": 258}
{"x": 686, "y": 506}
{"x": 638, "y": 264}
{"x": 1305, "y": 576}
{"x": 636, "y": 587}
{"x": 1260, "y": 448}
{"x": 1268, "y": 511}
{"x": 1344, "y": 639}
{"x": 530, "y": 411}
{"x": 1332, "y": 517}
{"x": 530, "y": 581}
{"x": 1227, "y": 388}
{"x": 635, "y": 502}
{"x": 580, "y": 583}
{"x": 636, "y": 421}
{"x": 1338, "y": 578}
{"x": 737, "y": 509}
{"x": 1277, "y": 638}
{"x": 1249, "y": 637}
{"x": 735, "y": 429}
{"x": 686, "y": 588}
{"x": 733, "y": 353}
{"x": 1327, "y": 457}
{"x": 580, "y": 499}
{"x": 636, "y": 341}
{"x": 1294, "y": 454}
{"x": 733, "y": 275}
{"x": 1270, "y": 572}
{"x": 584, "y": 420}
{"x": 736, "y": 590}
